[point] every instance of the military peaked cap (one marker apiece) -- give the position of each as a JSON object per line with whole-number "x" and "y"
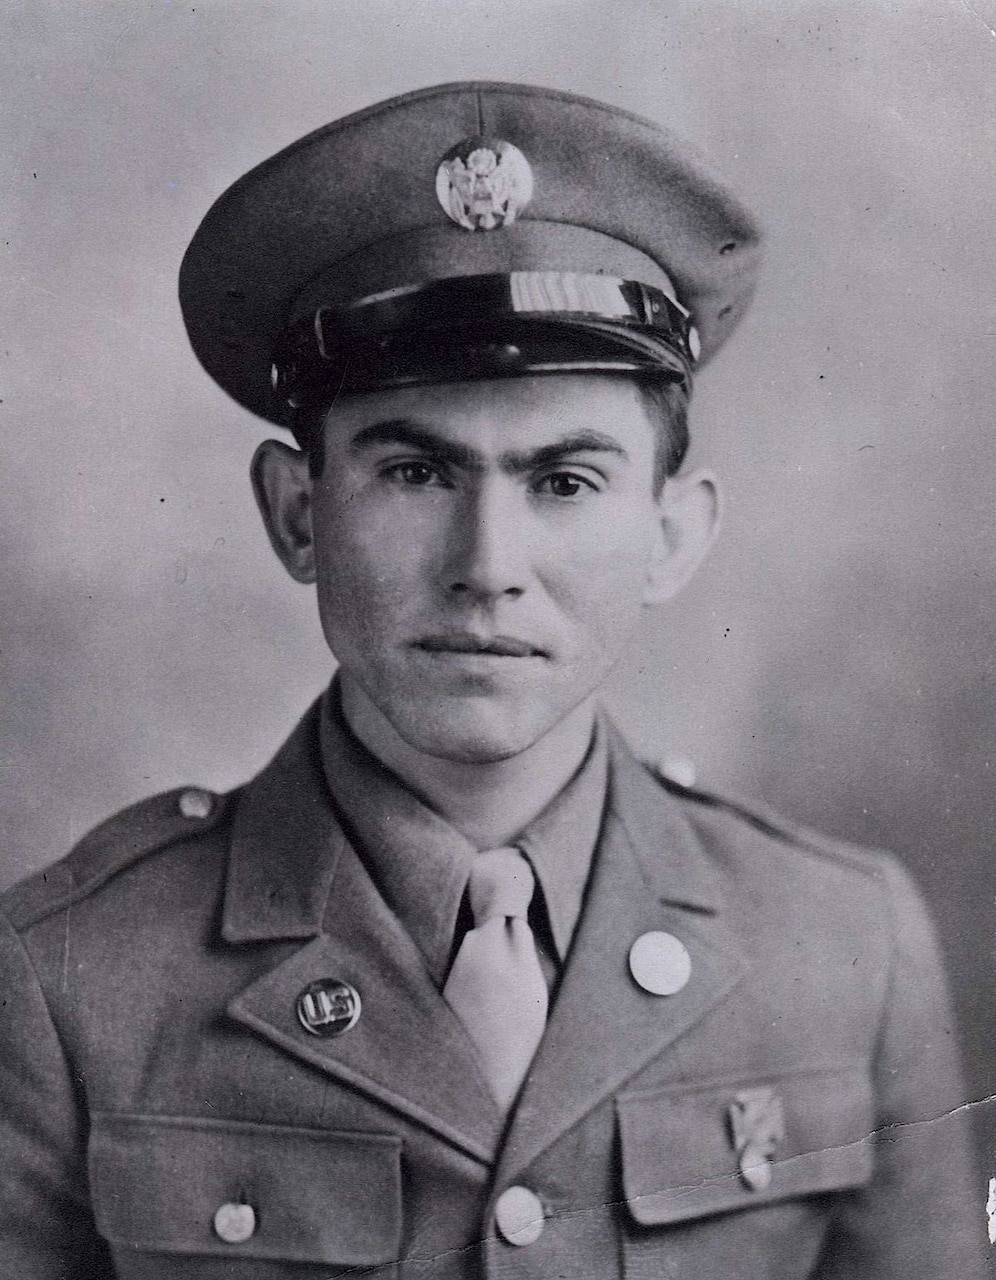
{"x": 468, "y": 230}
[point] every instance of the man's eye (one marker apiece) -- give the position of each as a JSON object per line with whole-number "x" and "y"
{"x": 565, "y": 484}
{"x": 414, "y": 473}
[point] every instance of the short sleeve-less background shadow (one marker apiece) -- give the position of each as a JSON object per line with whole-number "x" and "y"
{"x": 836, "y": 656}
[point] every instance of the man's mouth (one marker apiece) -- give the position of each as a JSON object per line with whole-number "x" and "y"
{"x": 467, "y": 642}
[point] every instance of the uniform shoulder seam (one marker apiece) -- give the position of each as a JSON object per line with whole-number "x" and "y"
{"x": 873, "y": 862}
{"x": 125, "y": 838}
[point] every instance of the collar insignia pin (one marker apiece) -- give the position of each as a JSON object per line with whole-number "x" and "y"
{"x": 484, "y": 183}
{"x": 757, "y": 1126}
{"x": 328, "y": 1007}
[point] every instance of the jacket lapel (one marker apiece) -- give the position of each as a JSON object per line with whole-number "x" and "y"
{"x": 650, "y": 873}
{"x": 293, "y": 874}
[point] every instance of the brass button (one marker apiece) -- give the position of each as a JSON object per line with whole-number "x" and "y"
{"x": 195, "y": 803}
{"x": 660, "y": 963}
{"x": 755, "y": 1171}
{"x": 519, "y": 1216}
{"x": 234, "y": 1223}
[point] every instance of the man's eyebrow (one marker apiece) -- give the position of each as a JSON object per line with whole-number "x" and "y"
{"x": 404, "y": 431}
{"x": 585, "y": 441}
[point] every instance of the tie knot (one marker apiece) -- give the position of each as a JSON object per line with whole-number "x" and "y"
{"x": 501, "y": 883}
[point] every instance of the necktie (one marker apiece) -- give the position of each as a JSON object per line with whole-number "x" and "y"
{"x": 496, "y": 985}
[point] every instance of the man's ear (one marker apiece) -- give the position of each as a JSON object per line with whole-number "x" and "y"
{"x": 688, "y": 513}
{"x": 282, "y": 485}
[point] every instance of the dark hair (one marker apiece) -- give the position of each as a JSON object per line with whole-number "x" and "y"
{"x": 307, "y": 429}
{"x": 666, "y": 404}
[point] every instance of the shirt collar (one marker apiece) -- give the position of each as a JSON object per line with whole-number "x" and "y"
{"x": 420, "y": 862}
{"x": 560, "y": 842}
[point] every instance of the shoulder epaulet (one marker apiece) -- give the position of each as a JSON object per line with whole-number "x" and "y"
{"x": 770, "y": 823}
{"x": 131, "y": 834}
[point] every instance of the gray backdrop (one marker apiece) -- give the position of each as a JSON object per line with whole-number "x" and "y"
{"x": 834, "y": 658}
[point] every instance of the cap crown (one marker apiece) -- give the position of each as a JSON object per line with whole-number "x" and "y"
{"x": 353, "y": 210}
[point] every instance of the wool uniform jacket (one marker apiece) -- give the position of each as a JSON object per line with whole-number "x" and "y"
{"x": 153, "y": 1069}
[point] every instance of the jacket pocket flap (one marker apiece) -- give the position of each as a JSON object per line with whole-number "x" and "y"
{"x": 688, "y": 1153}
{"x": 312, "y": 1196}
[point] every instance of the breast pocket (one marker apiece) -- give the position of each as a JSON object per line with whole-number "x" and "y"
{"x": 188, "y": 1186}
{"x": 693, "y": 1159}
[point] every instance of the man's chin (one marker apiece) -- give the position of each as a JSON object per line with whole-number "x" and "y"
{"x": 470, "y": 735}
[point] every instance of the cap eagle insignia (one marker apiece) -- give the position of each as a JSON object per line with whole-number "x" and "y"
{"x": 484, "y": 184}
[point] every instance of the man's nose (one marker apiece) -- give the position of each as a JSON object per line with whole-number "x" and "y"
{"x": 487, "y": 555}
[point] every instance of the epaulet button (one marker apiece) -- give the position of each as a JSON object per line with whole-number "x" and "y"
{"x": 195, "y": 803}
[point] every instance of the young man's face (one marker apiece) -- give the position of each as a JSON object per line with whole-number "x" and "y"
{"x": 483, "y": 550}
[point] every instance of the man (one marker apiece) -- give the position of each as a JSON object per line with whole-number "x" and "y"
{"x": 456, "y": 987}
